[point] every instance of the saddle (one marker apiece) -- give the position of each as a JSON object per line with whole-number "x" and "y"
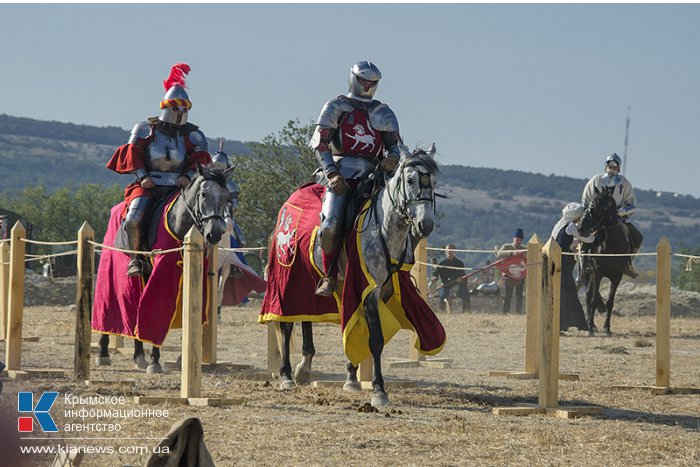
{"x": 149, "y": 226}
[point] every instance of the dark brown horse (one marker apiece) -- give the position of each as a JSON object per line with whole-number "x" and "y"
{"x": 601, "y": 218}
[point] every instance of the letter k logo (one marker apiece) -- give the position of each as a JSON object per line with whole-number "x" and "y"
{"x": 25, "y": 403}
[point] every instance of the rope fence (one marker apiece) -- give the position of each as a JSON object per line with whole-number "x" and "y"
{"x": 137, "y": 252}
{"x": 40, "y": 242}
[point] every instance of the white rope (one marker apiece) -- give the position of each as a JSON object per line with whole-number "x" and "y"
{"x": 242, "y": 250}
{"x": 474, "y": 251}
{"x": 694, "y": 257}
{"x": 3, "y": 240}
{"x": 566, "y": 253}
{"x": 38, "y": 242}
{"x": 63, "y": 253}
{"x": 137, "y": 252}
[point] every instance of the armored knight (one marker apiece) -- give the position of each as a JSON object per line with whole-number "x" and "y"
{"x": 220, "y": 162}
{"x": 162, "y": 153}
{"x": 353, "y": 134}
{"x": 624, "y": 198}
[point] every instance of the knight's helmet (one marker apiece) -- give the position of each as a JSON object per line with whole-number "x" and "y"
{"x": 363, "y": 79}
{"x": 176, "y": 103}
{"x": 613, "y": 164}
{"x": 219, "y": 161}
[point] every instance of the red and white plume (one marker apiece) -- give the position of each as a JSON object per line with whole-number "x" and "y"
{"x": 177, "y": 76}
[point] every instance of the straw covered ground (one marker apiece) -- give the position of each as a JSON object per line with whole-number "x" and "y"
{"x": 446, "y": 419}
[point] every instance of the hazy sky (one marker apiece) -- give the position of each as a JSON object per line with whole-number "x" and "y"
{"x": 541, "y": 88}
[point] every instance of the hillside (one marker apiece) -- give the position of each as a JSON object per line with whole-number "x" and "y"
{"x": 483, "y": 208}
{"x": 56, "y": 154}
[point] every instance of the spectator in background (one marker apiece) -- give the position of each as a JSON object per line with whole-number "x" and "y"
{"x": 450, "y": 271}
{"x": 514, "y": 274}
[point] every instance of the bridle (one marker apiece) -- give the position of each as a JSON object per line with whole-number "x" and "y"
{"x": 599, "y": 223}
{"x": 399, "y": 199}
{"x": 400, "y": 202}
{"x": 198, "y": 216}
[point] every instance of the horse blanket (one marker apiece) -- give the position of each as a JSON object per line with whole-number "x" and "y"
{"x": 406, "y": 309}
{"x": 293, "y": 276}
{"x": 242, "y": 278}
{"x": 126, "y": 306}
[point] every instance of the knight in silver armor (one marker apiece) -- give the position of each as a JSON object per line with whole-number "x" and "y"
{"x": 220, "y": 162}
{"x": 161, "y": 154}
{"x": 625, "y": 199}
{"x": 353, "y": 134}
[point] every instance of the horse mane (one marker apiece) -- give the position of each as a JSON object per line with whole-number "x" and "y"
{"x": 421, "y": 157}
{"x": 213, "y": 175}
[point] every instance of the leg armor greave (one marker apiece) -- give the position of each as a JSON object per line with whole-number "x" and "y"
{"x": 133, "y": 222}
{"x": 332, "y": 215}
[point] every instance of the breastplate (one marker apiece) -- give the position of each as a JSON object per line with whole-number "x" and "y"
{"x": 356, "y": 137}
{"x": 166, "y": 153}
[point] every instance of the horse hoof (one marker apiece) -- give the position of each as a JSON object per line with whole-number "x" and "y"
{"x": 140, "y": 361}
{"x": 380, "y": 400}
{"x": 352, "y": 386}
{"x": 154, "y": 369}
{"x": 302, "y": 375}
{"x": 286, "y": 385}
{"x": 609, "y": 334}
{"x": 103, "y": 361}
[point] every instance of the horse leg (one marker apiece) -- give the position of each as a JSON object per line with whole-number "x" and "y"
{"x": 376, "y": 346}
{"x": 610, "y": 303}
{"x": 351, "y": 382}
{"x": 154, "y": 362}
{"x": 302, "y": 372}
{"x": 225, "y": 271}
{"x": 139, "y": 356}
{"x": 286, "y": 369}
{"x": 103, "y": 359}
{"x": 592, "y": 302}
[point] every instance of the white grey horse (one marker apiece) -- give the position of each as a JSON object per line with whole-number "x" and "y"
{"x": 402, "y": 212}
{"x": 202, "y": 205}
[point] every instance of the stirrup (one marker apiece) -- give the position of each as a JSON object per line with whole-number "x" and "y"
{"x": 135, "y": 267}
{"x": 326, "y": 287}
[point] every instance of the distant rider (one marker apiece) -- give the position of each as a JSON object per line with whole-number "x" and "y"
{"x": 624, "y": 198}
{"x": 353, "y": 134}
{"x": 162, "y": 153}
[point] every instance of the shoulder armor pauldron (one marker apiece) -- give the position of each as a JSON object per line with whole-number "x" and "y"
{"x": 198, "y": 139}
{"x": 331, "y": 112}
{"x": 142, "y": 130}
{"x": 383, "y": 118}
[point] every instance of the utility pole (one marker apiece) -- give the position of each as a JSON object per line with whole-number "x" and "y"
{"x": 625, "y": 161}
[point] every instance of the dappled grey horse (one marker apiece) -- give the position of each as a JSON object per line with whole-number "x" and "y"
{"x": 202, "y": 205}
{"x": 401, "y": 213}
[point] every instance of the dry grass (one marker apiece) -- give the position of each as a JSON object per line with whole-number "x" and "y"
{"x": 446, "y": 420}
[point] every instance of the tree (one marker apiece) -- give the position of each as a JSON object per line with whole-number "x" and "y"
{"x": 276, "y": 167}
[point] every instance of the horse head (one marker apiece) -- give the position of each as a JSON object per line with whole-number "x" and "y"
{"x": 207, "y": 198}
{"x": 601, "y": 212}
{"x": 412, "y": 189}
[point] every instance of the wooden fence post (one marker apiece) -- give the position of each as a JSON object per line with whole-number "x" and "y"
{"x": 83, "y": 302}
{"x": 15, "y": 302}
{"x": 549, "y": 329}
{"x": 533, "y": 302}
{"x": 663, "y": 313}
{"x": 209, "y": 330}
{"x": 420, "y": 273}
{"x": 191, "y": 381}
{"x": 4, "y": 286}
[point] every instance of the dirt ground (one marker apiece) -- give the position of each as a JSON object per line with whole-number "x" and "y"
{"x": 446, "y": 419}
